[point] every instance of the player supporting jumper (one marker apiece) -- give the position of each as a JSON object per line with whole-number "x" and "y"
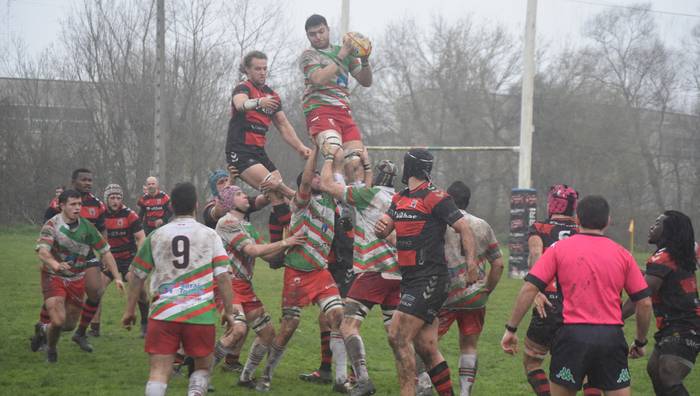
{"x": 125, "y": 236}
{"x": 374, "y": 260}
{"x": 243, "y": 244}
{"x": 671, "y": 277}
{"x": 154, "y": 206}
{"x": 420, "y": 214}
{"x": 183, "y": 258}
{"x": 327, "y": 69}
{"x": 591, "y": 272}
{"x": 65, "y": 242}
{"x": 466, "y": 301}
{"x": 547, "y": 313}
{"x": 306, "y": 279}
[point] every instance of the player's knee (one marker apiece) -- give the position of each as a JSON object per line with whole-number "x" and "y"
{"x": 261, "y": 322}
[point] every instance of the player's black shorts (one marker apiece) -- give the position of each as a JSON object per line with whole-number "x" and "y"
{"x": 543, "y": 330}
{"x": 684, "y": 344}
{"x": 596, "y": 351}
{"x": 243, "y": 157}
{"x": 424, "y": 296}
{"x": 122, "y": 267}
{"x": 343, "y": 276}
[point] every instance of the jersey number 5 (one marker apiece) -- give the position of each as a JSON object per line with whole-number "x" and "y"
{"x": 181, "y": 251}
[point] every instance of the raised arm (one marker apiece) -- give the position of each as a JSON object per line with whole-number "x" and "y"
{"x": 308, "y": 174}
{"x": 328, "y": 184}
{"x": 364, "y": 75}
{"x": 289, "y": 135}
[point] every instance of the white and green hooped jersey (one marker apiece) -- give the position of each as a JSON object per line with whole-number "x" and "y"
{"x": 183, "y": 257}
{"x": 315, "y": 217}
{"x": 369, "y": 252}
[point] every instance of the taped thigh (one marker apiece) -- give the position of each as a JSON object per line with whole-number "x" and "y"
{"x": 355, "y": 310}
{"x": 332, "y": 302}
{"x": 259, "y": 323}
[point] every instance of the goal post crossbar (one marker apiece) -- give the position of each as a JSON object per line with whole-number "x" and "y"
{"x": 514, "y": 149}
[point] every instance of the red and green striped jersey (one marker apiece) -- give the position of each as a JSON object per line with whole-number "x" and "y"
{"x": 237, "y": 234}
{"x": 315, "y": 217}
{"x": 70, "y": 243}
{"x": 183, "y": 257}
{"x": 463, "y": 295}
{"x": 369, "y": 252}
{"x": 334, "y": 93}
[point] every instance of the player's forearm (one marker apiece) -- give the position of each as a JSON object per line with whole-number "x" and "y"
{"x": 135, "y": 287}
{"x": 522, "y": 304}
{"x": 111, "y": 264}
{"x": 628, "y": 309}
{"x": 468, "y": 242}
{"x": 223, "y": 281}
{"x": 48, "y": 259}
{"x": 494, "y": 275}
{"x": 289, "y": 135}
{"x": 643, "y": 317}
{"x": 265, "y": 249}
{"x": 308, "y": 175}
{"x": 364, "y": 76}
{"x": 324, "y": 74}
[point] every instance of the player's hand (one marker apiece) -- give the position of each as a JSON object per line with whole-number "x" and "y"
{"x": 120, "y": 285}
{"x": 62, "y": 266}
{"x": 232, "y": 173}
{"x": 128, "y": 320}
{"x": 304, "y": 151}
{"x": 509, "y": 343}
{"x": 269, "y": 103}
{"x": 297, "y": 239}
{"x": 381, "y": 226}
{"x": 229, "y": 320}
{"x": 346, "y": 49}
{"x": 540, "y": 301}
{"x": 158, "y": 222}
{"x": 636, "y": 352}
{"x": 270, "y": 183}
{"x": 472, "y": 272}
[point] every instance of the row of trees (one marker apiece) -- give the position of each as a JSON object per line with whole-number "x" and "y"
{"x": 617, "y": 115}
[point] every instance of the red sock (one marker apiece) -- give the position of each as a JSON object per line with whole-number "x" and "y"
{"x": 44, "y": 317}
{"x": 440, "y": 377}
{"x": 539, "y": 382}
{"x": 326, "y": 354}
{"x": 89, "y": 311}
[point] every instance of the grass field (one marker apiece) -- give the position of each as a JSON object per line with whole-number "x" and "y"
{"x": 120, "y": 367}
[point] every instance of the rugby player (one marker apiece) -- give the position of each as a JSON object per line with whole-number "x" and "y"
{"x": 374, "y": 260}
{"x": 125, "y": 236}
{"x": 53, "y": 208}
{"x": 243, "y": 244}
{"x": 154, "y": 206}
{"x": 591, "y": 272}
{"x": 183, "y": 258}
{"x": 306, "y": 278}
{"x": 420, "y": 215}
{"x": 327, "y": 69}
{"x": 671, "y": 277}
{"x": 466, "y": 302}
{"x": 65, "y": 243}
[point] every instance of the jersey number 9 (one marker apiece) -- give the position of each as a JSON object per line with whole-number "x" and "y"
{"x": 181, "y": 251}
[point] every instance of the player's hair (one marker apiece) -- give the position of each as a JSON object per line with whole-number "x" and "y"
{"x": 678, "y": 237}
{"x": 300, "y": 175}
{"x": 63, "y": 197}
{"x": 78, "y": 171}
{"x": 460, "y": 193}
{"x": 62, "y": 187}
{"x": 315, "y": 20}
{"x": 593, "y": 212}
{"x": 248, "y": 59}
{"x": 183, "y": 197}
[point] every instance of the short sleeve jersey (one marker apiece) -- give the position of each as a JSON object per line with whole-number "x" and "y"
{"x": 369, "y": 252}
{"x": 182, "y": 257}
{"x": 591, "y": 271}
{"x": 121, "y": 227}
{"x": 463, "y": 295}
{"x": 334, "y": 93}
{"x": 421, "y": 217}
{"x": 249, "y": 128}
{"x": 237, "y": 234}
{"x": 154, "y": 207}
{"x": 551, "y": 231}
{"x": 315, "y": 217}
{"x": 676, "y": 303}
{"x": 70, "y": 245}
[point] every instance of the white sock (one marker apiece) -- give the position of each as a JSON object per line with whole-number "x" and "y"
{"x": 467, "y": 372}
{"x": 154, "y": 388}
{"x": 339, "y": 357}
{"x": 199, "y": 383}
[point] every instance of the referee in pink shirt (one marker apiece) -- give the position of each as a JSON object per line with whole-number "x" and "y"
{"x": 591, "y": 271}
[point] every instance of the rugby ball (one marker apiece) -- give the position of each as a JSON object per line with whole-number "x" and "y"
{"x": 361, "y": 45}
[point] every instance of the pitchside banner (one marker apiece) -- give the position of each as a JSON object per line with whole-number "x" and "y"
{"x": 523, "y": 213}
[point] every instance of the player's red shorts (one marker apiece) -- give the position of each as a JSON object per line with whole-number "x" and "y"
{"x": 164, "y": 338}
{"x": 470, "y": 321}
{"x": 73, "y": 290}
{"x": 371, "y": 287}
{"x": 244, "y": 295}
{"x": 304, "y": 288}
{"x": 333, "y": 117}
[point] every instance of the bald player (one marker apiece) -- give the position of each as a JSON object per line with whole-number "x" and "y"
{"x": 154, "y": 206}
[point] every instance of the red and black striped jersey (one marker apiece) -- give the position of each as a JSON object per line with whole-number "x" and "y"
{"x": 121, "y": 227}
{"x": 52, "y": 210}
{"x": 421, "y": 217}
{"x": 551, "y": 231}
{"x": 676, "y": 303}
{"x": 248, "y": 128}
{"x": 152, "y": 208}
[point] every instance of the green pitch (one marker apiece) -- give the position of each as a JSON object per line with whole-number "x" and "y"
{"x": 120, "y": 367}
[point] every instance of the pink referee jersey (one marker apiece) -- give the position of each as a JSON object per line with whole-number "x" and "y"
{"x": 591, "y": 271}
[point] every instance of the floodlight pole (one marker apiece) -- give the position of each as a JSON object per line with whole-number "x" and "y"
{"x": 159, "y": 133}
{"x": 528, "y": 88}
{"x": 345, "y": 17}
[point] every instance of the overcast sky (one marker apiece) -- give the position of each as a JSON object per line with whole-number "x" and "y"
{"x": 37, "y": 22}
